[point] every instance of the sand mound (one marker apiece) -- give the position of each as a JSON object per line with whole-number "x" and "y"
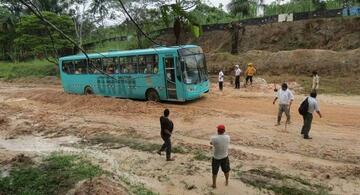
{"x": 100, "y": 186}
{"x": 76, "y": 103}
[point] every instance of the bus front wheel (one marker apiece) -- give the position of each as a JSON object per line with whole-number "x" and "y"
{"x": 88, "y": 90}
{"x": 152, "y": 95}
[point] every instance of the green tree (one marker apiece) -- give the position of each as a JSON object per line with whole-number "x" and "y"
{"x": 7, "y": 33}
{"x": 55, "y": 6}
{"x": 178, "y": 13}
{"x": 240, "y": 8}
{"x": 210, "y": 15}
{"x": 33, "y": 38}
{"x": 319, "y": 4}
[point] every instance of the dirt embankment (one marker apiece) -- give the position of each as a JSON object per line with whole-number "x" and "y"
{"x": 332, "y": 34}
{"x": 298, "y": 62}
{"x": 330, "y": 46}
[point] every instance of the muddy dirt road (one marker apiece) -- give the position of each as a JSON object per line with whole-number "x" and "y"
{"x": 123, "y": 135}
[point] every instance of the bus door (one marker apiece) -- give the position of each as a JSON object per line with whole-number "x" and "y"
{"x": 170, "y": 76}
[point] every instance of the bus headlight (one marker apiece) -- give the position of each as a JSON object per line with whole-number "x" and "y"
{"x": 191, "y": 89}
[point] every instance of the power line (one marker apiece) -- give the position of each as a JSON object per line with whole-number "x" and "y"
{"x": 39, "y": 15}
{"x": 137, "y": 26}
{"x": 142, "y": 32}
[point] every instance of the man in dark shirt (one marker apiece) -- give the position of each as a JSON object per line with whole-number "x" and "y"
{"x": 166, "y": 130}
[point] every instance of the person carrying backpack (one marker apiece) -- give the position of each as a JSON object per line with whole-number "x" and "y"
{"x": 306, "y": 109}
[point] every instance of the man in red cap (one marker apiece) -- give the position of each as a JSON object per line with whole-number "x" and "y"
{"x": 221, "y": 143}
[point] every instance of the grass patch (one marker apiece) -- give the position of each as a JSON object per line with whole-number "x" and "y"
{"x": 280, "y": 184}
{"x": 140, "y": 189}
{"x": 201, "y": 156}
{"x": 137, "y": 189}
{"x": 56, "y": 174}
{"x": 133, "y": 143}
{"x": 37, "y": 68}
{"x": 328, "y": 84}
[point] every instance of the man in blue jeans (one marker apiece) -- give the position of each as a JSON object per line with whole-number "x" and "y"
{"x": 167, "y": 127}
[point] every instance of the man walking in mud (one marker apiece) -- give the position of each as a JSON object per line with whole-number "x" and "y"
{"x": 167, "y": 127}
{"x": 220, "y": 158}
{"x": 285, "y": 99}
{"x": 308, "y": 116}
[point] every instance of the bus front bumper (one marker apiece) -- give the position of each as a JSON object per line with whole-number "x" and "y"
{"x": 196, "y": 91}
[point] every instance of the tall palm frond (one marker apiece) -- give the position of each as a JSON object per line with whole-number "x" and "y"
{"x": 241, "y": 7}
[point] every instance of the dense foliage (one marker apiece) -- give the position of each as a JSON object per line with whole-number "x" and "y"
{"x": 34, "y": 38}
{"x": 23, "y": 36}
{"x": 55, "y": 175}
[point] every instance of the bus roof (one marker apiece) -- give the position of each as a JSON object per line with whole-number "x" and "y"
{"x": 127, "y": 52}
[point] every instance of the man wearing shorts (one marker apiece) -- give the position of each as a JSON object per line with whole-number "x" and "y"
{"x": 286, "y": 98}
{"x": 221, "y": 143}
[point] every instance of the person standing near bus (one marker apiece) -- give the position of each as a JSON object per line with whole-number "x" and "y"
{"x": 237, "y": 76}
{"x": 167, "y": 127}
{"x": 250, "y": 71}
{"x": 220, "y": 142}
{"x": 221, "y": 80}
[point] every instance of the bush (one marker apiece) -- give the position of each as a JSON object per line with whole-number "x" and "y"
{"x": 57, "y": 173}
{"x": 37, "y": 68}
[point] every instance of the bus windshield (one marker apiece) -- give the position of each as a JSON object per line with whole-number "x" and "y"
{"x": 193, "y": 67}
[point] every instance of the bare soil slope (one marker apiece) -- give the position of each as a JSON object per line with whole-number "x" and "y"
{"x": 329, "y": 34}
{"x": 330, "y": 46}
{"x": 297, "y": 62}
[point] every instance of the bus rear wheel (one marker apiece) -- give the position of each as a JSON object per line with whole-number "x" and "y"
{"x": 88, "y": 91}
{"x": 152, "y": 95}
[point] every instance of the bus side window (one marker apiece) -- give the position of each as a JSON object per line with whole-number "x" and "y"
{"x": 169, "y": 63}
{"x": 151, "y": 64}
{"x": 80, "y": 67}
{"x": 155, "y": 69}
{"x": 131, "y": 66}
{"x": 94, "y": 66}
{"x": 142, "y": 67}
{"x": 109, "y": 65}
{"x": 117, "y": 65}
{"x": 67, "y": 67}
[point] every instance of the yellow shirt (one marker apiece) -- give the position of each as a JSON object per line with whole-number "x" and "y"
{"x": 250, "y": 71}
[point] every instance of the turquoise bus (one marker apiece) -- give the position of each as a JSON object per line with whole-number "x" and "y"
{"x": 176, "y": 73}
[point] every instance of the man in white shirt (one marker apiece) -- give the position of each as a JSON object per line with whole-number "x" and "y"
{"x": 221, "y": 80}
{"x": 286, "y": 98}
{"x": 220, "y": 158}
{"x": 316, "y": 80}
{"x": 237, "y": 76}
{"x": 313, "y": 106}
